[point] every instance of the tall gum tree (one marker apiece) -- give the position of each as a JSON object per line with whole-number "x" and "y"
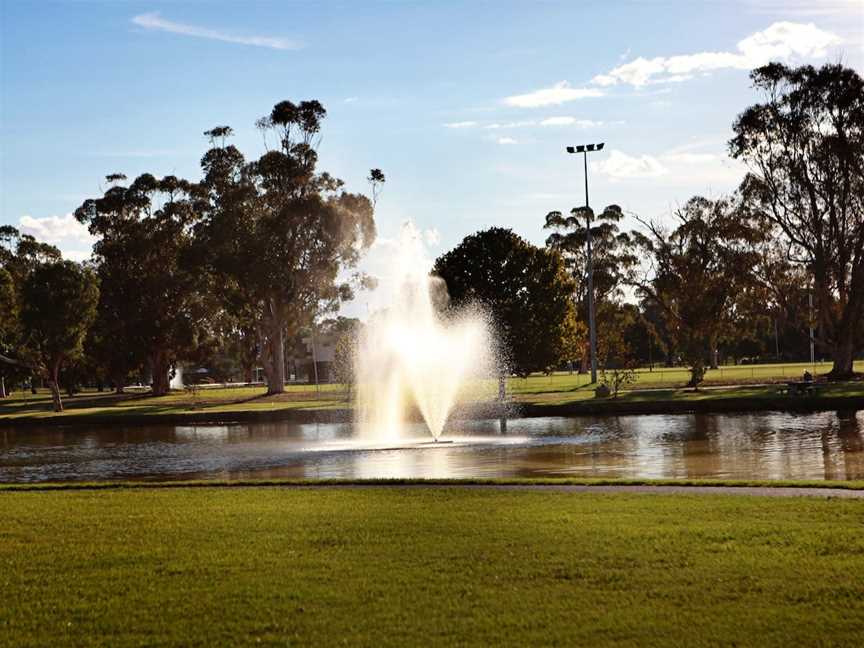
{"x": 155, "y": 307}
{"x": 697, "y": 271}
{"x": 804, "y": 145}
{"x": 279, "y": 234}
{"x": 613, "y": 259}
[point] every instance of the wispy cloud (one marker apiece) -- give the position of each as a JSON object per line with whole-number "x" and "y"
{"x": 780, "y": 41}
{"x": 571, "y": 121}
{"x": 806, "y": 7}
{"x": 528, "y": 123}
{"x": 155, "y": 22}
{"x": 350, "y": 99}
{"x": 621, "y": 165}
{"x": 559, "y": 93}
{"x": 506, "y": 140}
{"x": 516, "y": 124}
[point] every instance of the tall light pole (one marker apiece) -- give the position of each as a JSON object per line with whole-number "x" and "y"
{"x": 584, "y": 149}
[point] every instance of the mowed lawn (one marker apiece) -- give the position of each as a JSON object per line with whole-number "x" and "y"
{"x": 559, "y": 388}
{"x": 427, "y": 566}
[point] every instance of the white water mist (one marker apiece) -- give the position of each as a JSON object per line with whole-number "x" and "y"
{"x": 410, "y": 356}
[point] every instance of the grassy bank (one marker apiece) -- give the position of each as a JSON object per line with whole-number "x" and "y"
{"x": 851, "y": 484}
{"x": 557, "y": 394}
{"x": 195, "y": 567}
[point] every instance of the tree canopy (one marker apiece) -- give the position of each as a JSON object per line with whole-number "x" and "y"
{"x": 804, "y": 146}
{"x": 698, "y": 271}
{"x": 278, "y": 234}
{"x": 525, "y": 289}
{"x": 58, "y": 306}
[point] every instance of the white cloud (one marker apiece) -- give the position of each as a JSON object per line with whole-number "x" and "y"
{"x": 154, "y": 21}
{"x": 77, "y": 255}
{"x": 517, "y": 124}
{"x": 780, "y": 41}
{"x": 55, "y": 229}
{"x": 461, "y": 124}
{"x": 559, "y": 93}
{"x": 571, "y": 121}
{"x": 350, "y": 99}
{"x": 506, "y": 140}
{"x": 621, "y": 165}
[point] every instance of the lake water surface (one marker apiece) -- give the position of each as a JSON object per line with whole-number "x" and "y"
{"x": 766, "y": 445}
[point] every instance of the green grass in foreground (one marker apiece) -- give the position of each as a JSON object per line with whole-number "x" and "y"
{"x": 196, "y": 567}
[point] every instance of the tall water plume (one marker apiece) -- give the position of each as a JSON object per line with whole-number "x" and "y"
{"x": 411, "y": 356}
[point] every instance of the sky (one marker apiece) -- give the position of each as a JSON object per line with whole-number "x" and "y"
{"x": 467, "y": 107}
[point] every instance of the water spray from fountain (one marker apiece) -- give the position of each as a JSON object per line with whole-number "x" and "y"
{"x": 412, "y": 357}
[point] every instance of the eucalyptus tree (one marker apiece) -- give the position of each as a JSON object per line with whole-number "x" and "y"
{"x": 20, "y": 255}
{"x": 613, "y": 258}
{"x": 280, "y": 235}
{"x": 804, "y": 146}
{"x": 58, "y": 305}
{"x": 697, "y": 272}
{"x": 154, "y": 308}
{"x": 9, "y": 324}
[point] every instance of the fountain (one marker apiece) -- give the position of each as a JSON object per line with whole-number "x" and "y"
{"x": 411, "y": 356}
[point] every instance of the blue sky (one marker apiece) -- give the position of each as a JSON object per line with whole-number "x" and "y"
{"x": 466, "y": 106}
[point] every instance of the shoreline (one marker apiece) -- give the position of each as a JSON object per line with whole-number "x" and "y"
{"x": 510, "y": 410}
{"x": 596, "y": 484}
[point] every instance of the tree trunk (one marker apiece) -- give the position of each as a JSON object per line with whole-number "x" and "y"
{"x": 119, "y": 383}
{"x": 272, "y": 337}
{"x": 2, "y": 386}
{"x": 159, "y": 365}
{"x": 276, "y": 379}
{"x": 54, "y": 386}
{"x": 843, "y": 356}
{"x": 583, "y": 361}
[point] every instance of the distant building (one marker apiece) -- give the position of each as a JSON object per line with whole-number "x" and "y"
{"x": 303, "y": 356}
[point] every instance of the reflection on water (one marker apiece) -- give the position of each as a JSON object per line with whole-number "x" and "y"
{"x": 772, "y": 445}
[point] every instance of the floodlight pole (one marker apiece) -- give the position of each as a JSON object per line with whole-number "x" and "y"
{"x": 592, "y": 323}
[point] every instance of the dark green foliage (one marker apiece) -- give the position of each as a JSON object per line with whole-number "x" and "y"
{"x": 525, "y": 290}
{"x": 58, "y": 305}
{"x": 699, "y": 270}
{"x": 277, "y": 233}
{"x": 154, "y": 309}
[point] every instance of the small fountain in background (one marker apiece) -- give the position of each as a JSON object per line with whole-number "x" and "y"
{"x": 410, "y": 356}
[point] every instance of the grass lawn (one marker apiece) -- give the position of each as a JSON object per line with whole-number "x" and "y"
{"x": 556, "y": 389}
{"x": 398, "y": 566}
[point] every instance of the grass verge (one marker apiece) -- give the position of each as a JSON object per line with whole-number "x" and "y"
{"x": 395, "y": 482}
{"x": 256, "y": 566}
{"x": 298, "y": 403}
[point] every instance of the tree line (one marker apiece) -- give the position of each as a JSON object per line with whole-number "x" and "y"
{"x": 230, "y": 269}
{"x": 727, "y": 275}
{"x": 239, "y": 260}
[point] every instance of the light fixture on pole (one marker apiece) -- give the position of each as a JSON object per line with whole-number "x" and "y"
{"x": 584, "y": 149}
